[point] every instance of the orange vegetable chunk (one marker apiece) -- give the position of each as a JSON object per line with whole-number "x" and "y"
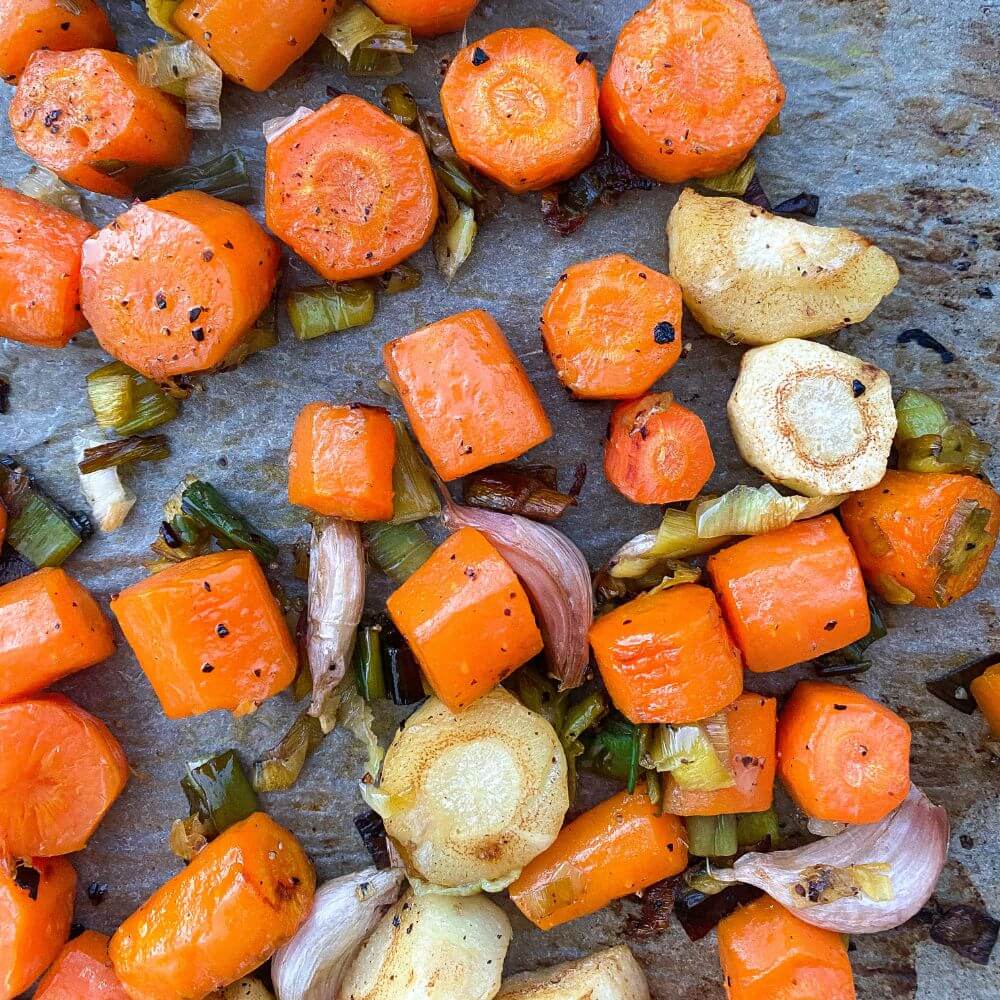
{"x": 668, "y": 656}
{"x": 468, "y": 397}
{"x": 239, "y": 900}
{"x": 60, "y": 772}
{"x": 86, "y": 117}
{"x": 209, "y": 634}
{"x": 767, "y": 953}
{"x": 841, "y": 756}
{"x": 986, "y": 690}
{"x": 792, "y": 595}
{"x": 3, "y": 523}
{"x": 341, "y": 460}
{"x": 426, "y": 18}
{"x": 82, "y": 972}
{"x": 173, "y": 285}
{"x": 467, "y": 619}
{"x": 619, "y": 847}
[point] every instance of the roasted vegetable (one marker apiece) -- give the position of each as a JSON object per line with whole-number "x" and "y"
{"x": 612, "y": 974}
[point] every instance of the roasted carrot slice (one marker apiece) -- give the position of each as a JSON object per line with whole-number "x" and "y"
{"x": 40, "y": 249}
{"x": 668, "y": 656}
{"x": 841, "y": 756}
{"x": 792, "y": 595}
{"x": 619, "y": 847}
{"x": 657, "y": 451}
{"x": 82, "y": 972}
{"x": 173, "y": 285}
{"x": 238, "y": 901}
{"x": 60, "y": 772}
{"x": 468, "y": 397}
{"x": 35, "y": 920}
{"x": 86, "y": 117}
{"x": 425, "y": 18}
{"x": 29, "y": 25}
{"x": 767, "y": 953}
{"x": 467, "y": 619}
{"x": 923, "y": 538}
{"x": 350, "y": 190}
{"x": 50, "y": 627}
{"x": 340, "y": 462}
{"x": 521, "y": 106}
{"x": 986, "y": 690}
{"x": 254, "y": 44}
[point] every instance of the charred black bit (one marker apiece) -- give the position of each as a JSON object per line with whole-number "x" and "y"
{"x": 851, "y": 659}
{"x": 402, "y": 674}
{"x": 28, "y": 879}
{"x": 924, "y": 339}
{"x": 582, "y": 57}
{"x": 97, "y": 892}
{"x": 858, "y": 388}
{"x": 479, "y": 57}
{"x": 699, "y": 914}
{"x": 801, "y": 204}
{"x": 953, "y": 687}
{"x": 4, "y": 395}
{"x": 663, "y": 333}
{"x": 756, "y": 195}
{"x": 984, "y": 292}
{"x": 161, "y": 300}
{"x": 657, "y": 905}
{"x": 372, "y": 832}
{"x": 968, "y": 930}
{"x": 579, "y": 478}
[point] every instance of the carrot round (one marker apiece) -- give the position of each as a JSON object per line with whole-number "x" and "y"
{"x": 29, "y": 25}
{"x": 60, "y": 772}
{"x": 238, "y": 901}
{"x": 40, "y": 248}
{"x": 986, "y": 690}
{"x": 668, "y": 656}
{"x": 657, "y": 451}
{"x": 792, "y": 595}
{"x": 521, "y": 106}
{"x": 86, "y": 117}
{"x": 903, "y": 529}
{"x": 32, "y": 930}
{"x": 425, "y": 18}
{"x": 612, "y": 327}
{"x": 690, "y": 90}
{"x": 173, "y": 285}
{"x": 841, "y": 756}
{"x": 350, "y": 190}
{"x": 767, "y": 953}
{"x": 619, "y": 847}
{"x": 82, "y": 972}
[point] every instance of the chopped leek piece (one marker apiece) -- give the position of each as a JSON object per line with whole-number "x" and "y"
{"x": 851, "y": 659}
{"x": 963, "y": 538}
{"x": 370, "y": 46}
{"x": 536, "y": 691}
{"x": 676, "y": 538}
{"x": 352, "y": 26}
{"x": 918, "y": 414}
{"x": 161, "y": 13}
{"x": 892, "y": 591}
{"x": 188, "y": 837}
{"x": 675, "y": 573}
{"x": 453, "y": 176}
{"x": 826, "y": 883}
{"x": 401, "y": 278}
{"x": 127, "y": 401}
{"x": 371, "y": 62}
{"x": 219, "y": 793}
{"x": 368, "y": 671}
{"x": 322, "y": 309}
{"x": 577, "y": 720}
{"x": 130, "y": 449}
{"x": 745, "y": 510}
{"x": 609, "y": 750}
{"x": 414, "y": 495}
{"x": 263, "y": 335}
{"x": 711, "y": 836}
{"x": 203, "y": 502}
{"x": 402, "y": 673}
{"x": 109, "y": 499}
{"x": 397, "y": 38}
{"x": 224, "y": 177}
{"x": 281, "y": 766}
{"x": 734, "y": 182}
{"x": 44, "y": 186}
{"x": 400, "y": 103}
{"x": 927, "y": 441}
{"x": 696, "y": 755}
{"x": 185, "y": 71}
{"x": 638, "y": 746}
{"x": 398, "y": 550}
{"x": 455, "y": 233}
{"x": 753, "y": 829}
{"x": 654, "y": 790}
{"x": 529, "y": 491}
{"x": 774, "y": 125}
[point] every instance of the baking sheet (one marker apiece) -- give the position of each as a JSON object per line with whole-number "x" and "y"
{"x": 892, "y": 117}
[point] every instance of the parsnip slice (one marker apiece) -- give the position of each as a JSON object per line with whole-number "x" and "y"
{"x": 612, "y": 974}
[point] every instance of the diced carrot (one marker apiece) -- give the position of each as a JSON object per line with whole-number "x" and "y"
{"x": 792, "y": 595}
{"x": 752, "y": 721}
{"x": 240, "y": 899}
{"x": 767, "y": 953}
{"x": 82, "y": 972}
{"x": 668, "y": 656}
{"x": 86, "y": 117}
{"x": 254, "y": 44}
{"x": 350, "y": 190}
{"x": 467, "y": 618}
{"x": 209, "y": 634}
{"x": 60, "y": 772}
{"x": 691, "y": 88}
{"x": 657, "y": 451}
{"x": 40, "y": 249}
{"x": 34, "y": 923}
{"x": 904, "y": 528}
{"x": 521, "y": 106}
{"x": 986, "y": 690}
{"x": 841, "y": 756}
{"x": 173, "y": 285}
{"x": 50, "y": 627}
{"x": 467, "y": 395}
{"x": 29, "y": 25}
{"x": 426, "y": 18}
{"x": 619, "y": 847}
{"x": 340, "y": 462}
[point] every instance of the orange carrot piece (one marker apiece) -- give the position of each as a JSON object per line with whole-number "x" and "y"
{"x": 521, "y": 106}
{"x": 767, "y": 953}
{"x": 468, "y": 397}
{"x": 82, "y": 972}
{"x": 753, "y": 722}
{"x": 986, "y": 690}
{"x": 341, "y": 459}
{"x": 657, "y": 451}
{"x": 175, "y": 284}
{"x": 467, "y": 618}
{"x": 40, "y": 249}
{"x": 690, "y": 90}
{"x": 841, "y": 756}
{"x": 86, "y": 117}
{"x": 668, "y": 657}
{"x": 612, "y": 327}
{"x": 426, "y": 18}
{"x": 900, "y": 530}
{"x": 60, "y": 772}
{"x": 792, "y": 595}
{"x": 238, "y": 901}
{"x": 350, "y": 190}
{"x": 619, "y": 847}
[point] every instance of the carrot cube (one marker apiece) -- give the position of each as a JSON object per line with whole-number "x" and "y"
{"x": 208, "y": 633}
{"x": 466, "y": 591}
{"x": 986, "y": 690}
{"x": 82, "y": 972}
{"x": 467, "y": 396}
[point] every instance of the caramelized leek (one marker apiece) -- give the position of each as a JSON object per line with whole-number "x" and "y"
{"x": 851, "y": 659}
{"x": 185, "y": 71}
{"x": 401, "y": 278}
{"x": 927, "y": 441}
{"x": 44, "y": 186}
{"x": 401, "y": 104}
{"x": 281, "y": 766}
{"x": 161, "y": 13}
{"x": 130, "y": 449}
{"x": 219, "y": 793}
{"x": 315, "y": 312}
{"x": 374, "y": 63}
{"x": 752, "y": 829}
{"x": 402, "y": 673}
{"x": 398, "y": 550}
{"x": 712, "y": 836}
{"x": 414, "y": 495}
{"x": 734, "y": 182}
{"x": 609, "y": 750}
{"x": 748, "y": 511}
{"x": 127, "y": 401}
{"x": 455, "y": 233}
{"x": 696, "y": 755}
{"x": 206, "y": 506}
{"x": 352, "y": 27}
{"x": 263, "y": 335}
{"x": 370, "y": 46}
{"x": 369, "y": 674}
{"x": 528, "y": 491}
{"x": 676, "y": 538}
{"x": 224, "y": 177}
